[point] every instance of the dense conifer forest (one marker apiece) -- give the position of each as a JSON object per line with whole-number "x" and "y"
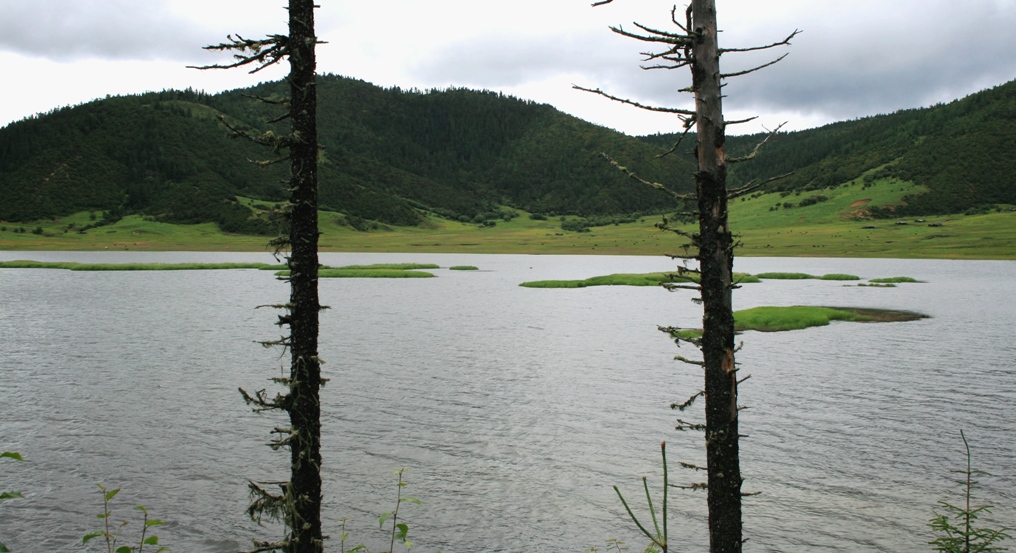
{"x": 961, "y": 151}
{"x": 389, "y": 155}
{"x": 392, "y": 155}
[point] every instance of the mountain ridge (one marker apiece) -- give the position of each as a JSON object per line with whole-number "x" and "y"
{"x": 393, "y": 155}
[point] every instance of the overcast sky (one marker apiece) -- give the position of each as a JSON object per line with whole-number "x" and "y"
{"x": 854, "y": 57}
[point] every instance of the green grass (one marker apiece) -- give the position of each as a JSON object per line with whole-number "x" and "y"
{"x": 839, "y": 276}
{"x": 785, "y": 276}
{"x": 73, "y": 266}
{"x": 618, "y": 279}
{"x": 630, "y": 279}
{"x": 893, "y": 280}
{"x": 833, "y": 228}
{"x": 771, "y": 319}
{"x": 776, "y": 319}
{"x": 365, "y": 273}
{"x": 394, "y": 266}
{"x": 877, "y": 285}
{"x": 463, "y": 268}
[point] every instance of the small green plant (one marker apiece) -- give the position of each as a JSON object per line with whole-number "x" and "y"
{"x": 111, "y": 535}
{"x": 9, "y": 495}
{"x": 399, "y": 529}
{"x": 344, "y": 536}
{"x": 613, "y": 544}
{"x": 658, "y": 536}
{"x": 959, "y": 534}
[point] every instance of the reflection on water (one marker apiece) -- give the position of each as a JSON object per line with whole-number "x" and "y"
{"x": 514, "y": 409}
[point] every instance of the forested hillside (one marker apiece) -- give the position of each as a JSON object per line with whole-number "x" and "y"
{"x": 961, "y": 151}
{"x": 392, "y": 155}
{"x": 389, "y": 155}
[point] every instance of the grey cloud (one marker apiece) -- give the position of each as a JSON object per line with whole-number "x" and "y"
{"x": 508, "y": 61}
{"x": 848, "y": 63}
{"x": 883, "y": 69}
{"x": 876, "y": 66}
{"x": 65, "y": 30}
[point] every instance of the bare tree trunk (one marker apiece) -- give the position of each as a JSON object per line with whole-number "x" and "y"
{"x": 716, "y": 260}
{"x": 305, "y": 378}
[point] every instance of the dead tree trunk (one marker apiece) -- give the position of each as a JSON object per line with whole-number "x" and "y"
{"x": 305, "y": 372}
{"x": 716, "y": 263}
{"x": 696, "y": 47}
{"x": 299, "y": 503}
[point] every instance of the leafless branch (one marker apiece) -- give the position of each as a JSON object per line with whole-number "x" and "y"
{"x": 685, "y": 425}
{"x": 687, "y": 17}
{"x": 757, "y": 146}
{"x": 740, "y": 121}
{"x": 634, "y": 103}
{"x": 753, "y": 69}
{"x": 680, "y": 39}
{"x": 262, "y": 53}
{"x": 655, "y": 185}
{"x": 671, "y": 287}
{"x": 688, "y": 123}
{"x": 696, "y": 486}
{"x": 751, "y": 187}
{"x": 679, "y": 232}
{"x": 277, "y": 102}
{"x": 661, "y": 37}
{"x": 783, "y": 42}
{"x": 688, "y": 403}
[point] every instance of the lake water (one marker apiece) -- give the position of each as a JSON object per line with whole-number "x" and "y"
{"x": 514, "y": 409}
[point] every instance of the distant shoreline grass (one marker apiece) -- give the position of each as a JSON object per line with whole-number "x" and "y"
{"x": 463, "y": 268}
{"x": 380, "y": 270}
{"x": 830, "y": 229}
{"x": 74, "y": 266}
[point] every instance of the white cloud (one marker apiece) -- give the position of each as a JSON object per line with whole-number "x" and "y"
{"x": 854, "y": 58}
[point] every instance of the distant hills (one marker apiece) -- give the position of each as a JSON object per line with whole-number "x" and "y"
{"x": 389, "y": 156}
{"x": 394, "y": 155}
{"x": 963, "y": 152}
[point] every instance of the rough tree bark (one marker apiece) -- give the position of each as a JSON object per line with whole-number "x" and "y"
{"x": 298, "y": 505}
{"x": 305, "y": 371}
{"x": 696, "y": 47}
{"x": 716, "y": 263}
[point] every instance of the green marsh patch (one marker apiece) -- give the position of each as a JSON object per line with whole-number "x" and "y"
{"x": 785, "y": 276}
{"x": 839, "y": 276}
{"x": 774, "y": 319}
{"x": 893, "y": 280}
{"x": 630, "y": 279}
{"x": 463, "y": 268}
{"x": 343, "y": 272}
{"x": 393, "y": 266}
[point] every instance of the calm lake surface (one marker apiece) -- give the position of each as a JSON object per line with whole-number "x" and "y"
{"x": 514, "y": 409}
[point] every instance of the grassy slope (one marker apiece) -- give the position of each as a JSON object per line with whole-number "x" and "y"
{"x": 824, "y": 229}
